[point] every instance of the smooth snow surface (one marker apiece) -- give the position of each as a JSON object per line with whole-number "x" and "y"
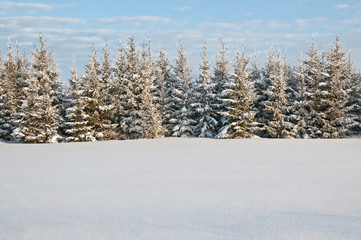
{"x": 182, "y": 189}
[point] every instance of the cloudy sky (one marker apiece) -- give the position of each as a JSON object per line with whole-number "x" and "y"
{"x": 72, "y": 27}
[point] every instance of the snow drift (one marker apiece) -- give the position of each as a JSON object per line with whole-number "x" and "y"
{"x": 182, "y": 189}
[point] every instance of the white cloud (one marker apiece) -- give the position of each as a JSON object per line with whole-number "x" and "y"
{"x": 32, "y": 21}
{"x": 136, "y": 20}
{"x": 274, "y": 24}
{"x": 341, "y": 6}
{"x": 12, "y": 6}
{"x": 183, "y": 9}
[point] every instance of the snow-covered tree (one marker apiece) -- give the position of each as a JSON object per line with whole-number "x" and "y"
{"x": 163, "y": 78}
{"x": 95, "y": 106}
{"x": 182, "y": 93}
{"x": 41, "y": 120}
{"x": 221, "y": 79}
{"x": 261, "y": 84}
{"x": 76, "y": 124}
{"x": 276, "y": 104}
{"x": 13, "y": 81}
{"x": 204, "y": 99}
{"x": 330, "y": 95}
{"x": 119, "y": 89}
{"x": 131, "y": 122}
{"x": 151, "y": 116}
{"x": 240, "y": 101}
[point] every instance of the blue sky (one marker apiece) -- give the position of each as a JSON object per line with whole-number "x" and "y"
{"x": 72, "y": 27}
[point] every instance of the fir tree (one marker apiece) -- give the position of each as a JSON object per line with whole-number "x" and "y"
{"x": 204, "y": 99}
{"x": 182, "y": 112}
{"x": 240, "y": 101}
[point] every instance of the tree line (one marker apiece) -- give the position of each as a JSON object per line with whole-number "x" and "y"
{"x": 138, "y": 96}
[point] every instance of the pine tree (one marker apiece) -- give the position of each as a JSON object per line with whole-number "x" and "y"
{"x": 331, "y": 95}
{"x": 221, "y": 79}
{"x": 41, "y": 119}
{"x": 277, "y": 126}
{"x": 240, "y": 101}
{"x": 204, "y": 99}
{"x": 182, "y": 112}
{"x": 163, "y": 78}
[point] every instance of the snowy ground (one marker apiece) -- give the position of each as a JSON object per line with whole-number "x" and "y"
{"x": 182, "y": 189}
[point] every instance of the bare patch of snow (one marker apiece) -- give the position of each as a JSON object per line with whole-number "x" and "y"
{"x": 182, "y": 189}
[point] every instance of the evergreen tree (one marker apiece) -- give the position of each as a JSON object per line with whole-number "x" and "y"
{"x": 77, "y": 127}
{"x": 301, "y": 105}
{"x": 331, "y": 95}
{"x": 182, "y": 112}
{"x": 277, "y": 126}
{"x": 4, "y": 126}
{"x": 41, "y": 120}
{"x": 107, "y": 99}
{"x": 15, "y": 73}
{"x": 261, "y": 84}
{"x": 119, "y": 90}
{"x": 152, "y": 118}
{"x": 131, "y": 124}
{"x": 95, "y": 105}
{"x": 221, "y": 79}
{"x": 240, "y": 102}
{"x": 163, "y": 90}
{"x": 204, "y": 99}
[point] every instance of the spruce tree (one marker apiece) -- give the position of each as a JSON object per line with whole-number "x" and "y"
{"x": 163, "y": 90}
{"x": 331, "y": 95}
{"x": 76, "y": 125}
{"x": 182, "y": 112}
{"x": 301, "y": 105}
{"x": 240, "y": 101}
{"x": 15, "y": 73}
{"x": 261, "y": 84}
{"x": 41, "y": 118}
{"x": 95, "y": 105}
{"x": 151, "y": 116}
{"x": 131, "y": 122}
{"x": 276, "y": 105}
{"x": 119, "y": 90}
{"x": 204, "y": 99}
{"x": 4, "y": 126}
{"x": 221, "y": 79}
{"x": 7, "y": 95}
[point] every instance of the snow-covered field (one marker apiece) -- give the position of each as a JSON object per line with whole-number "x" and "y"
{"x": 182, "y": 189}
